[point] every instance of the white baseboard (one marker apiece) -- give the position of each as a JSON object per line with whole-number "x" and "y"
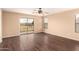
{"x": 10, "y": 36}
{"x": 64, "y": 36}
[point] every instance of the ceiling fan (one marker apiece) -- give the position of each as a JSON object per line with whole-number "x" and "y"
{"x": 40, "y": 12}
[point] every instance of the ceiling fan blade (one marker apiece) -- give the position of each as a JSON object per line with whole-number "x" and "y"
{"x": 46, "y": 12}
{"x": 35, "y": 12}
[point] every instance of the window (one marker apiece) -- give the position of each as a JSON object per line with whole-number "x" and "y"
{"x": 26, "y": 25}
{"x": 45, "y": 23}
{"x": 77, "y": 23}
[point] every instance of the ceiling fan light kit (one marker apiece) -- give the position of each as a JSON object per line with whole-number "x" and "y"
{"x": 39, "y": 12}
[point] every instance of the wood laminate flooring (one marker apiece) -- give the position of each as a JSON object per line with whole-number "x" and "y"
{"x": 39, "y": 42}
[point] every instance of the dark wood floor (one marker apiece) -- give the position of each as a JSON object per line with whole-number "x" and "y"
{"x": 39, "y": 42}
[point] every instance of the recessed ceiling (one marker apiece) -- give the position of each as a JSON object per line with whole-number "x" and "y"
{"x": 30, "y": 10}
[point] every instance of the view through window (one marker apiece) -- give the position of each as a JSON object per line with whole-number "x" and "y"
{"x": 45, "y": 22}
{"x": 26, "y": 25}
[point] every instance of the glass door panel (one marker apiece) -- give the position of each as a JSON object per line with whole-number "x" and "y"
{"x": 26, "y": 25}
{"x": 30, "y": 25}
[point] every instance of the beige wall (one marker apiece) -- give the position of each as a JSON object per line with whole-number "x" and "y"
{"x": 0, "y": 25}
{"x": 63, "y": 24}
{"x": 11, "y": 26}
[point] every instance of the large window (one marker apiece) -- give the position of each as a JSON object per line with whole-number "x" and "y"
{"x": 26, "y": 25}
{"x": 45, "y": 23}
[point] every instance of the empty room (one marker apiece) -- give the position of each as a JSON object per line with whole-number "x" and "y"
{"x": 39, "y": 29}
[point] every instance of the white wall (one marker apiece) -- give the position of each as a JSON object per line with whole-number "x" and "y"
{"x": 63, "y": 24}
{"x": 0, "y": 26}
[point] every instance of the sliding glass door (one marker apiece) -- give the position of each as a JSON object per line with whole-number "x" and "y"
{"x": 26, "y": 25}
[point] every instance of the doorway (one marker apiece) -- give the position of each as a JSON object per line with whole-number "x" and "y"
{"x": 26, "y": 25}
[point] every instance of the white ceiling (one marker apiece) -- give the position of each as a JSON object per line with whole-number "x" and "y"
{"x": 30, "y": 10}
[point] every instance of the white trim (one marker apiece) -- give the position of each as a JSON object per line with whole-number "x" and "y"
{"x": 18, "y": 35}
{"x": 63, "y": 36}
{"x": 0, "y": 25}
{"x": 10, "y": 36}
